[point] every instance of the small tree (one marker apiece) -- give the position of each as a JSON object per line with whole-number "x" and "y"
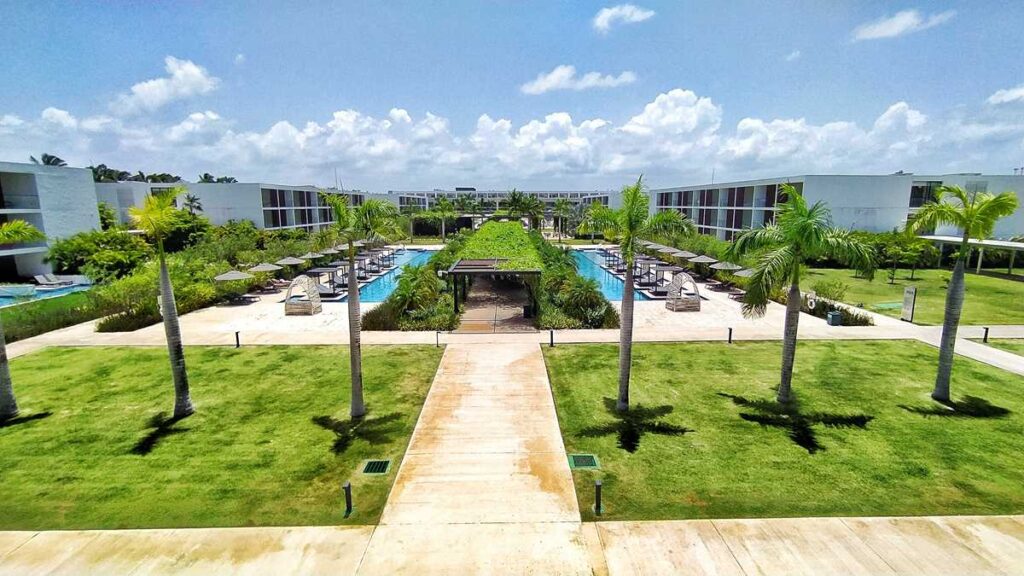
{"x": 563, "y": 209}
{"x": 445, "y": 211}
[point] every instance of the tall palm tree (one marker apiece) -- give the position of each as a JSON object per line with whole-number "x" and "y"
{"x": 11, "y": 232}
{"x": 193, "y": 204}
{"x": 533, "y": 209}
{"x": 563, "y": 209}
{"x": 514, "y": 203}
{"x": 445, "y": 210}
{"x": 156, "y": 218}
{"x": 799, "y": 233}
{"x": 975, "y": 214}
{"x": 374, "y": 221}
{"x": 629, "y": 225}
{"x": 48, "y": 160}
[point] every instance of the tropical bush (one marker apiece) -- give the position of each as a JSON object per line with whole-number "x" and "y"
{"x": 39, "y": 316}
{"x": 834, "y": 290}
{"x": 102, "y": 255}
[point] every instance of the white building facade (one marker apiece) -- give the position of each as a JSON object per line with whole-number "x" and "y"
{"x": 857, "y": 202}
{"x": 489, "y": 200}
{"x": 59, "y": 201}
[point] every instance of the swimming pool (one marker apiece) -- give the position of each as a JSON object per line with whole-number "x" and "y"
{"x": 381, "y": 287}
{"x": 39, "y": 295}
{"x": 588, "y": 264}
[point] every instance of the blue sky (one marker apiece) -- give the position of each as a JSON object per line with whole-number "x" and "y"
{"x": 438, "y": 94}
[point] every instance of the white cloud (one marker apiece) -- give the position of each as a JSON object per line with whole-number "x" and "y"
{"x": 239, "y": 59}
{"x": 1007, "y": 95}
{"x": 564, "y": 78}
{"x": 59, "y": 117}
{"x": 672, "y": 139}
{"x": 185, "y": 79}
{"x": 899, "y": 24}
{"x": 623, "y": 13}
{"x": 794, "y": 55}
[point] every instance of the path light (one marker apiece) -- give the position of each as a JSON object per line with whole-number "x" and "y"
{"x": 597, "y": 498}
{"x": 347, "y": 487}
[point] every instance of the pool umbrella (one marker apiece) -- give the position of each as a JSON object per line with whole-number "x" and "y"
{"x": 232, "y": 275}
{"x": 726, "y": 266}
{"x": 703, "y": 260}
{"x": 290, "y": 261}
{"x": 310, "y": 256}
{"x": 683, "y": 254}
{"x": 745, "y": 273}
{"x": 667, "y": 250}
{"x": 328, "y": 251}
{"x": 265, "y": 267}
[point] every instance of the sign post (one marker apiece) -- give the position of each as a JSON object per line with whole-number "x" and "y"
{"x": 909, "y": 300}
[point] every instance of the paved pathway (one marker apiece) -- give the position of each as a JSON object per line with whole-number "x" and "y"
{"x": 492, "y": 308}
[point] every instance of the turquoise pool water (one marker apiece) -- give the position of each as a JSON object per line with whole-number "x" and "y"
{"x": 40, "y": 294}
{"x": 588, "y": 264}
{"x": 381, "y": 287}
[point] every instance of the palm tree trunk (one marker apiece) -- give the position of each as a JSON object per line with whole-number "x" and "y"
{"x": 789, "y": 332}
{"x": 355, "y": 354}
{"x": 626, "y": 341}
{"x": 182, "y": 399}
{"x": 8, "y": 403}
{"x": 950, "y": 323}
{"x": 442, "y": 231}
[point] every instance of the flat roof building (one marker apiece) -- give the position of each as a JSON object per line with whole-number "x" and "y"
{"x": 857, "y": 202}
{"x": 58, "y": 200}
{"x": 490, "y": 199}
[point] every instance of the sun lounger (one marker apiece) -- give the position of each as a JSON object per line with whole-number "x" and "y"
{"x": 50, "y": 280}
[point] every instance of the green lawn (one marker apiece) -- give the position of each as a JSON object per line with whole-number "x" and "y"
{"x": 252, "y": 455}
{"x": 39, "y": 316}
{"x": 709, "y": 443}
{"x": 1009, "y": 344}
{"x": 989, "y": 300}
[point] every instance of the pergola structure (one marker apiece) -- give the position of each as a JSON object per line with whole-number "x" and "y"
{"x": 1013, "y": 247}
{"x": 464, "y": 269}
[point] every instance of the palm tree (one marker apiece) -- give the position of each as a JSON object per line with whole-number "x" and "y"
{"x": 193, "y": 204}
{"x": 11, "y": 232}
{"x": 445, "y": 210}
{"x": 374, "y": 220}
{"x": 533, "y": 209}
{"x": 975, "y": 214}
{"x": 206, "y": 178}
{"x": 563, "y": 209}
{"x": 514, "y": 202}
{"x": 800, "y": 233}
{"x": 156, "y": 217}
{"x": 48, "y": 160}
{"x": 630, "y": 224}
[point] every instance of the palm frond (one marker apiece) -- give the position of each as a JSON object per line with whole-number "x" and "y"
{"x": 19, "y": 232}
{"x": 756, "y": 239}
{"x": 771, "y": 271}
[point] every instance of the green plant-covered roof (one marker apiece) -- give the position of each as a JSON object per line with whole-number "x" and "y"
{"x": 503, "y": 240}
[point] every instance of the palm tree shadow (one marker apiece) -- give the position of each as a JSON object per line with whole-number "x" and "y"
{"x": 8, "y": 422}
{"x": 798, "y": 425}
{"x": 967, "y": 407}
{"x": 373, "y": 430}
{"x": 631, "y": 425}
{"x": 162, "y": 427}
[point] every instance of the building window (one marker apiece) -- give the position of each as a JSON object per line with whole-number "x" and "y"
{"x": 922, "y": 193}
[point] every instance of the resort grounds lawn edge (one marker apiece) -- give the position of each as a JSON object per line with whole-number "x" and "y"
{"x": 1011, "y": 345}
{"x": 711, "y": 444}
{"x": 251, "y": 455}
{"x": 989, "y": 299}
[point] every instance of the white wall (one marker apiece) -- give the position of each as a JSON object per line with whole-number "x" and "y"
{"x": 1006, "y": 228}
{"x": 223, "y": 202}
{"x": 871, "y": 203}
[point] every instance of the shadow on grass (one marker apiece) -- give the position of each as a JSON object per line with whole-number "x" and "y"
{"x": 162, "y": 427}
{"x": 968, "y": 407}
{"x": 798, "y": 426}
{"x": 630, "y": 426}
{"x": 373, "y": 430}
{"x": 8, "y": 422}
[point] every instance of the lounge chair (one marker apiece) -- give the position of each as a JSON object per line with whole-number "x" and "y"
{"x": 50, "y": 280}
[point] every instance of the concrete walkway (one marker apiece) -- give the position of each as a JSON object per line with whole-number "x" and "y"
{"x": 485, "y": 486}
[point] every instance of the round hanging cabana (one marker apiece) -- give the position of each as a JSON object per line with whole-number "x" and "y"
{"x": 302, "y": 298}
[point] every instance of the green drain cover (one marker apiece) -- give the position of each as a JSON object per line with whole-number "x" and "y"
{"x": 583, "y": 462}
{"x": 376, "y": 466}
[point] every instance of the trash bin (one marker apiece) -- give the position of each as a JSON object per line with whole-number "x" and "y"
{"x": 834, "y": 319}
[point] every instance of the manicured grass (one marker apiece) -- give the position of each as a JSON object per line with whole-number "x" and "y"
{"x": 252, "y": 454}
{"x": 422, "y": 240}
{"x": 1009, "y": 344}
{"x": 39, "y": 316}
{"x": 989, "y": 300}
{"x": 736, "y": 458}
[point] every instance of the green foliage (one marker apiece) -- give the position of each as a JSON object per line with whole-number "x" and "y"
{"x": 186, "y": 229}
{"x": 39, "y": 316}
{"x": 108, "y": 216}
{"x": 569, "y": 300}
{"x": 102, "y": 255}
{"x": 505, "y": 240}
{"x": 833, "y": 289}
